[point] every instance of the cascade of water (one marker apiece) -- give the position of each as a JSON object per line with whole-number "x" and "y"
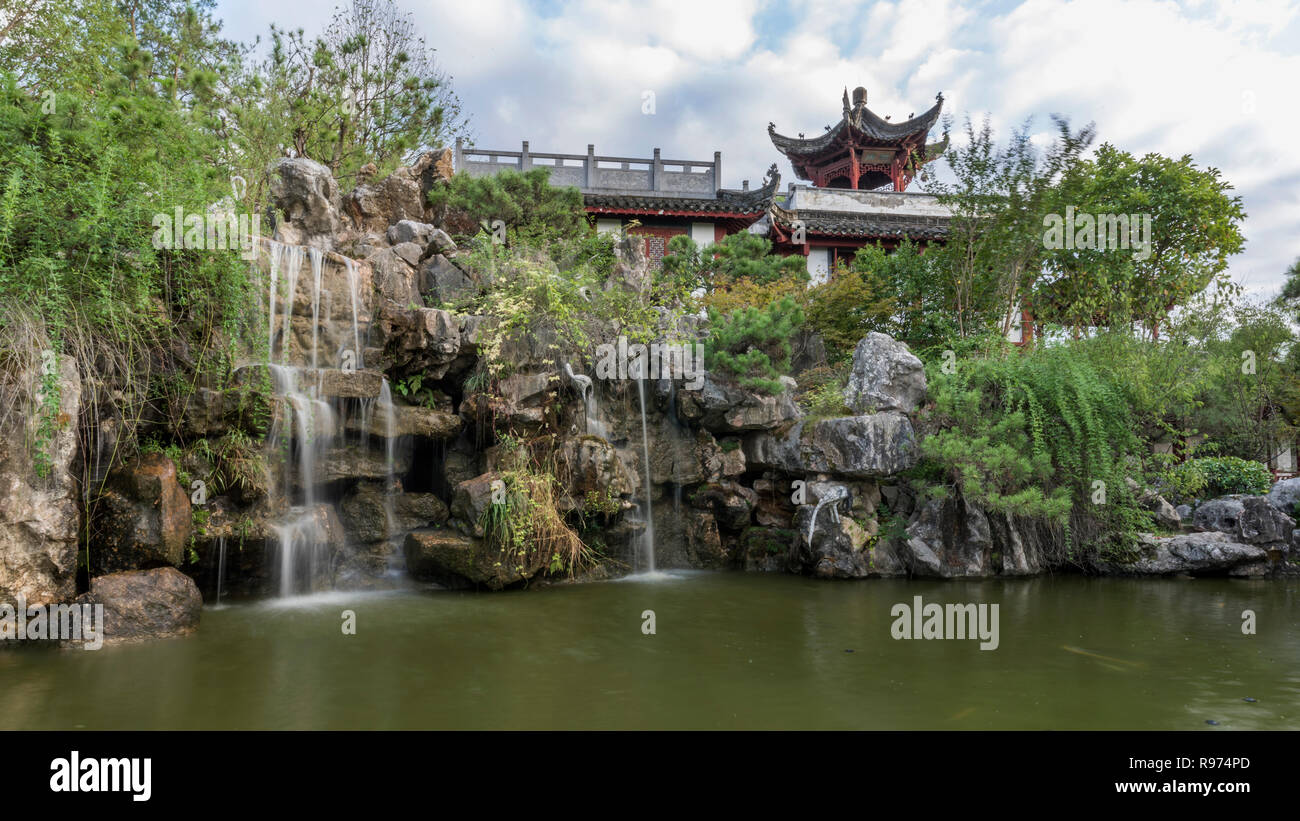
{"x": 294, "y": 255}
{"x": 649, "y": 537}
{"x": 273, "y": 266}
{"x": 317, "y": 268}
{"x": 350, "y": 266}
{"x": 833, "y": 498}
{"x": 303, "y": 550}
{"x": 221, "y": 565}
{"x": 390, "y": 453}
{"x": 309, "y": 426}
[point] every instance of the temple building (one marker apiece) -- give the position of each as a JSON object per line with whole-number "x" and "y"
{"x": 646, "y": 196}
{"x": 859, "y": 171}
{"x": 857, "y": 175}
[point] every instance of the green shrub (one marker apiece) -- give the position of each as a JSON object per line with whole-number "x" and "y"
{"x": 753, "y": 344}
{"x": 1212, "y": 476}
{"x": 530, "y": 207}
{"x": 1039, "y": 434}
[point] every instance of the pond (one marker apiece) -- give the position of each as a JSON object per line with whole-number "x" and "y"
{"x": 729, "y": 650}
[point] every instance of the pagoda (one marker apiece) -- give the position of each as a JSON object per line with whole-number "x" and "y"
{"x": 862, "y": 151}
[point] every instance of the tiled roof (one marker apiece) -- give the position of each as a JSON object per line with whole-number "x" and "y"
{"x": 856, "y": 224}
{"x": 865, "y": 123}
{"x": 727, "y": 201}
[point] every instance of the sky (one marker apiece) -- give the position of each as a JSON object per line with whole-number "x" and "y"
{"x": 1216, "y": 79}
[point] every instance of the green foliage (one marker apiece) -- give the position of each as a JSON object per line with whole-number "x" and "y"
{"x": 753, "y": 344}
{"x": 1195, "y": 227}
{"x": 737, "y": 257}
{"x": 534, "y": 213}
{"x": 1212, "y": 476}
{"x": 1031, "y": 434}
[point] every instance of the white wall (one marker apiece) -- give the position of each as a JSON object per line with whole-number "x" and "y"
{"x": 608, "y": 226}
{"x": 819, "y": 265}
{"x": 702, "y": 233}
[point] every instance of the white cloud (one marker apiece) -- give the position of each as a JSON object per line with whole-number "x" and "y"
{"x": 1210, "y": 78}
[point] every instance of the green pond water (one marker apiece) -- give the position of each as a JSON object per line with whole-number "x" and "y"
{"x": 731, "y": 650}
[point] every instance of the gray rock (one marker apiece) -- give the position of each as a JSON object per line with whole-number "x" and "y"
{"x": 1184, "y": 512}
{"x": 886, "y": 376}
{"x": 425, "y": 340}
{"x": 146, "y": 604}
{"x": 949, "y": 538}
{"x": 142, "y": 519}
{"x": 1249, "y": 519}
{"x": 1192, "y": 553}
{"x": 859, "y": 447}
{"x": 444, "y": 282}
{"x": 471, "y": 498}
{"x": 364, "y": 513}
{"x": 723, "y": 408}
{"x": 838, "y": 549}
{"x": 306, "y": 193}
{"x": 1285, "y": 494}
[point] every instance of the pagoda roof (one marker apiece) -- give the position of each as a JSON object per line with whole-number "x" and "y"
{"x": 857, "y": 225}
{"x": 858, "y": 124}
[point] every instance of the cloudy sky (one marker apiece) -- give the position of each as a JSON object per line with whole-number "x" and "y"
{"x": 1216, "y": 79}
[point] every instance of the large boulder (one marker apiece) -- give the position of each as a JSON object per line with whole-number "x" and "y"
{"x": 39, "y": 518}
{"x": 403, "y": 195}
{"x": 369, "y": 514}
{"x": 471, "y": 498}
{"x": 589, "y": 469}
{"x": 306, "y": 193}
{"x": 886, "y": 376}
{"x": 949, "y": 538}
{"x": 1247, "y": 519}
{"x": 449, "y": 557}
{"x": 444, "y": 282}
{"x": 1190, "y": 553}
{"x": 146, "y": 604}
{"x": 732, "y": 504}
{"x": 424, "y": 340}
{"x": 838, "y": 548}
{"x": 720, "y": 407}
{"x": 1285, "y": 494}
{"x": 859, "y": 447}
{"x": 143, "y": 518}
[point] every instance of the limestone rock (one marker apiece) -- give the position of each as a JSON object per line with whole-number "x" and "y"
{"x": 723, "y": 408}
{"x": 1193, "y": 553}
{"x": 885, "y": 376}
{"x": 1248, "y": 519}
{"x": 852, "y": 446}
{"x": 364, "y": 512}
{"x": 306, "y": 193}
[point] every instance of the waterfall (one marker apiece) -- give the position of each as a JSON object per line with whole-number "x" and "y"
{"x": 587, "y": 391}
{"x": 221, "y": 565}
{"x": 317, "y": 267}
{"x": 833, "y": 497}
{"x": 303, "y": 551}
{"x": 390, "y": 447}
{"x": 307, "y": 427}
{"x": 649, "y": 537}
{"x": 350, "y": 266}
